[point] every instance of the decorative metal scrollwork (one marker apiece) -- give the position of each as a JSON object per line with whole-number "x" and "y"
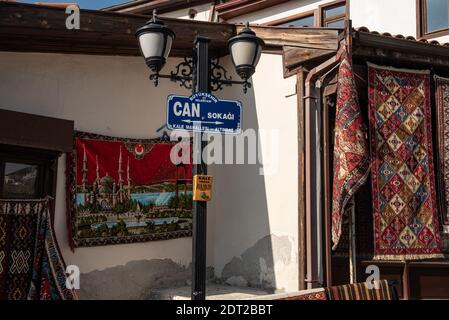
{"x": 220, "y": 78}
{"x": 217, "y": 74}
{"x": 185, "y": 75}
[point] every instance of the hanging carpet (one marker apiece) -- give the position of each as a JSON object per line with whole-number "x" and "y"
{"x": 403, "y": 183}
{"x": 442, "y": 102}
{"x": 128, "y": 190}
{"x": 31, "y": 266}
{"x": 351, "y": 155}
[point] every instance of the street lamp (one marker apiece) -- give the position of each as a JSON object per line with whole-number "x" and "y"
{"x": 245, "y": 49}
{"x": 200, "y": 73}
{"x": 155, "y": 41}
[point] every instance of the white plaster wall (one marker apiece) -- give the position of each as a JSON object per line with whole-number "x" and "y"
{"x": 104, "y": 95}
{"x": 203, "y": 12}
{"x": 395, "y": 17}
{"x": 280, "y": 11}
{"x": 249, "y": 206}
{"x": 113, "y": 96}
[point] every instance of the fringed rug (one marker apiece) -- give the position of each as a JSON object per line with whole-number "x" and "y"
{"x": 405, "y": 210}
{"x": 442, "y": 101}
{"x": 31, "y": 266}
{"x": 351, "y": 155}
{"x": 308, "y": 295}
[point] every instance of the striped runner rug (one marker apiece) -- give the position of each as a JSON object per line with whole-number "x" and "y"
{"x": 361, "y": 291}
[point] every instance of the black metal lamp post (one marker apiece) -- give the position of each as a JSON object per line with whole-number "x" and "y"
{"x": 155, "y": 41}
{"x": 200, "y": 73}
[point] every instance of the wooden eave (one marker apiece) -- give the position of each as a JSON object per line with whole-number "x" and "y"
{"x": 299, "y": 46}
{"x": 389, "y": 49}
{"x": 235, "y": 8}
{"x": 162, "y": 6}
{"x": 37, "y": 28}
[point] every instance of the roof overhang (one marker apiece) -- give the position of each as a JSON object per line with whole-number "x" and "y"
{"x": 235, "y": 8}
{"x": 299, "y": 46}
{"x": 388, "y": 48}
{"x": 147, "y": 6}
{"x": 37, "y": 28}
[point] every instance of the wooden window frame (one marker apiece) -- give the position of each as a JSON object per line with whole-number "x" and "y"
{"x": 421, "y": 23}
{"x": 321, "y": 18}
{"x": 318, "y": 16}
{"x": 309, "y": 13}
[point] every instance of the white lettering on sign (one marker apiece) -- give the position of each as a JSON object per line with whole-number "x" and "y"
{"x": 222, "y": 116}
{"x": 196, "y": 110}
{"x": 187, "y": 110}
{"x": 177, "y": 108}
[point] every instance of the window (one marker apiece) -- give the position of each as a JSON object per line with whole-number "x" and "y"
{"x": 20, "y": 180}
{"x": 25, "y": 173}
{"x": 333, "y": 15}
{"x": 433, "y": 17}
{"x": 304, "y": 19}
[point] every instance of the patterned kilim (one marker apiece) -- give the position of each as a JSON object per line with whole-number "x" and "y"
{"x": 442, "y": 101}
{"x": 18, "y": 228}
{"x": 351, "y": 155}
{"x": 315, "y": 294}
{"x": 49, "y": 271}
{"x": 24, "y": 263}
{"x": 360, "y": 291}
{"x": 405, "y": 212}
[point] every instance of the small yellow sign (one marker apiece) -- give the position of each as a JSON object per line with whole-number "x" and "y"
{"x": 202, "y": 188}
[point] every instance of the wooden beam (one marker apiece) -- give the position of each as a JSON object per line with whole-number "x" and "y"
{"x": 406, "y": 281}
{"x": 300, "y": 86}
{"x": 313, "y": 38}
{"x": 29, "y": 130}
{"x": 25, "y": 27}
{"x": 294, "y": 58}
{"x": 403, "y": 57}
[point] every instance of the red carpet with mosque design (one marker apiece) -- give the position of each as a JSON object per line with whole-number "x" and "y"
{"x": 128, "y": 190}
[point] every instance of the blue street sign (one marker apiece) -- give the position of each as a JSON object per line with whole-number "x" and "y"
{"x": 204, "y": 112}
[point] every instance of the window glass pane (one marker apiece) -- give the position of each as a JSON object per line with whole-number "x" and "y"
{"x": 334, "y": 11}
{"x": 20, "y": 180}
{"x": 301, "y": 22}
{"x": 437, "y": 16}
{"x": 336, "y": 24}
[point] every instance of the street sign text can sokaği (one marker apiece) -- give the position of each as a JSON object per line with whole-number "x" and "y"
{"x": 203, "y": 112}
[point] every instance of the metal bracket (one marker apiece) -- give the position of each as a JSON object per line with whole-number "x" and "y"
{"x": 184, "y": 74}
